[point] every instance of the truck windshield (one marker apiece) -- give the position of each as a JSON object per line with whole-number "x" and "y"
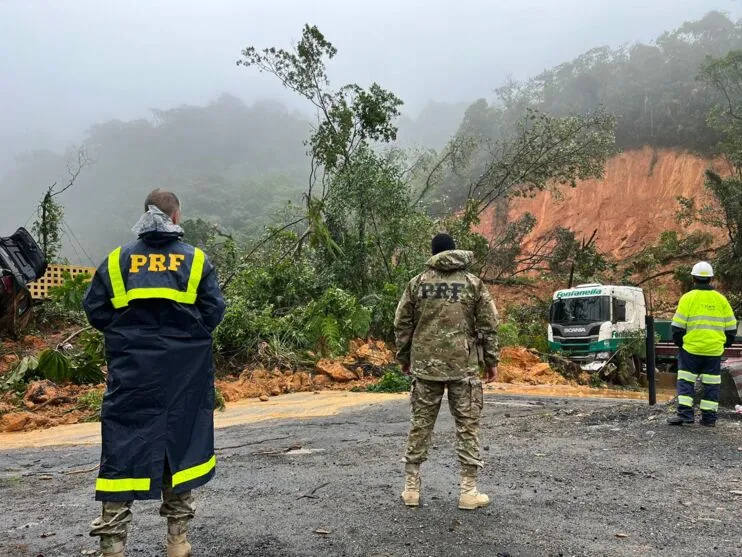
{"x": 591, "y": 309}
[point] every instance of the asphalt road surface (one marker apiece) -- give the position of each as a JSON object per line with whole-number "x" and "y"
{"x": 566, "y": 477}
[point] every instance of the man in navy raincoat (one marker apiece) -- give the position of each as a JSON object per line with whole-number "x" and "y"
{"x": 157, "y": 302}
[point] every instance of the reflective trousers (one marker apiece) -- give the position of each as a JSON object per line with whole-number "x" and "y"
{"x": 690, "y": 369}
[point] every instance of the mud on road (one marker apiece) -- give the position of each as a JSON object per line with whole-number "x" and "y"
{"x": 567, "y": 477}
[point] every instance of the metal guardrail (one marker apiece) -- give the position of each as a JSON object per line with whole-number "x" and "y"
{"x": 54, "y": 277}
{"x": 668, "y": 349}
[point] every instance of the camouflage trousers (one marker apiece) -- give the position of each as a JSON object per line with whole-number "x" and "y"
{"x": 465, "y": 400}
{"x": 113, "y": 525}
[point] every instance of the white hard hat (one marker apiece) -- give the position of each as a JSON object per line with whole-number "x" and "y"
{"x": 702, "y": 269}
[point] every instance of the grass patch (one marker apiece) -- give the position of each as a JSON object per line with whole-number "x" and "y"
{"x": 393, "y": 381}
{"x": 91, "y": 402}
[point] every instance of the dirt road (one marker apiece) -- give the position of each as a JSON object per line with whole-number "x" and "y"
{"x": 567, "y": 477}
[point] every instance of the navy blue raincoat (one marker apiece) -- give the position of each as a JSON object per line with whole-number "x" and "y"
{"x": 157, "y": 302}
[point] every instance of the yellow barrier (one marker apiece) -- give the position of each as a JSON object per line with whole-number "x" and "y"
{"x": 54, "y": 277}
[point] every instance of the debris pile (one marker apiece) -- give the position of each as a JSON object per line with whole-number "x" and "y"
{"x": 520, "y": 365}
{"x": 46, "y": 404}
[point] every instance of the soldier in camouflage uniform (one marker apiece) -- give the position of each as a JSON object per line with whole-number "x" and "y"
{"x": 444, "y": 316}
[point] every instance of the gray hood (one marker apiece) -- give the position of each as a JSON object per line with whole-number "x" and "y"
{"x": 155, "y": 221}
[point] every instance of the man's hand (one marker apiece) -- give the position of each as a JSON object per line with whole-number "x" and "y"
{"x": 490, "y": 374}
{"x": 406, "y": 369}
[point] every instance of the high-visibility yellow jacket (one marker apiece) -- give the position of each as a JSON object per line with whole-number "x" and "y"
{"x": 706, "y": 318}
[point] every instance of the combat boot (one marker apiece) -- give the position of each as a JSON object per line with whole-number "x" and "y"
{"x": 112, "y": 546}
{"x": 469, "y": 497}
{"x": 412, "y": 483}
{"x": 177, "y": 542}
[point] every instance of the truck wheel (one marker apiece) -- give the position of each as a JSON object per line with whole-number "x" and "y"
{"x": 639, "y": 373}
{"x": 17, "y": 312}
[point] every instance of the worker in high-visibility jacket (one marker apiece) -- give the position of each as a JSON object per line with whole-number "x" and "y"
{"x": 703, "y": 325}
{"x": 157, "y": 301}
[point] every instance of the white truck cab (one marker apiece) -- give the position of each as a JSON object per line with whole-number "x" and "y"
{"x": 586, "y": 322}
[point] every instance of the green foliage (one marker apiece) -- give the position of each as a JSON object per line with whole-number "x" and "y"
{"x": 383, "y": 306}
{"x": 55, "y": 366}
{"x": 279, "y": 308}
{"x": 490, "y": 162}
{"x": 335, "y": 319}
{"x": 634, "y": 343}
{"x": 92, "y": 401}
{"x": 580, "y": 259}
{"x": 508, "y": 334}
{"x": 531, "y": 322}
{"x": 724, "y": 75}
{"x": 81, "y": 367}
{"x": 48, "y": 226}
{"x": 70, "y": 294}
{"x": 364, "y": 216}
{"x": 393, "y": 381}
{"x": 350, "y": 116}
{"x": 670, "y": 248}
{"x": 651, "y": 88}
{"x": 51, "y": 315}
{"x": 25, "y": 371}
{"x": 88, "y": 360}
{"x": 219, "y": 403}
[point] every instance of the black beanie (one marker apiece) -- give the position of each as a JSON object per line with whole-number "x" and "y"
{"x": 442, "y": 242}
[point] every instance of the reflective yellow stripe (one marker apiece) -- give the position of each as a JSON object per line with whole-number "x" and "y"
{"x": 711, "y": 379}
{"x": 197, "y": 269}
{"x": 163, "y": 293}
{"x": 687, "y": 376}
{"x": 121, "y": 297}
{"x": 705, "y": 326}
{"x": 709, "y": 406}
{"x": 685, "y": 400}
{"x": 194, "y": 472}
{"x": 117, "y": 281}
{"x": 708, "y": 318}
{"x": 125, "y": 484}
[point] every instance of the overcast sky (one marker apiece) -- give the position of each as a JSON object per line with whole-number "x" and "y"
{"x": 66, "y": 64}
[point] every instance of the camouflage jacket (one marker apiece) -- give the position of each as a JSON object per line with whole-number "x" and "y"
{"x": 442, "y": 316}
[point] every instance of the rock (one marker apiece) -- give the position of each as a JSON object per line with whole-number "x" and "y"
{"x": 275, "y": 391}
{"x": 321, "y": 380}
{"x": 373, "y": 352}
{"x": 300, "y": 381}
{"x": 254, "y": 375}
{"x": 16, "y": 421}
{"x": 39, "y": 392}
{"x": 264, "y": 398}
{"x": 336, "y": 371}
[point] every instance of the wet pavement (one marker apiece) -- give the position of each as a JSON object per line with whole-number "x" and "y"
{"x": 567, "y": 477}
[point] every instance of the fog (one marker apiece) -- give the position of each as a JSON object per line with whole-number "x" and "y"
{"x": 153, "y": 88}
{"x": 68, "y": 64}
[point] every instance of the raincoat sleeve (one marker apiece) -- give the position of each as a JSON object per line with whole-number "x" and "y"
{"x": 210, "y": 302}
{"x": 404, "y": 324}
{"x": 486, "y": 324}
{"x": 97, "y": 301}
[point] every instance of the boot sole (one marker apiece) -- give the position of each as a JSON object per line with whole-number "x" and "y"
{"x": 411, "y": 504}
{"x": 472, "y": 507}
